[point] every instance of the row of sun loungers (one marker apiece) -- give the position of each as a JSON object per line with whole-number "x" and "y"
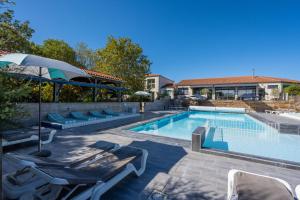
{"x": 87, "y": 178}
{"x": 17, "y": 136}
{"x": 77, "y": 119}
{"x": 280, "y": 111}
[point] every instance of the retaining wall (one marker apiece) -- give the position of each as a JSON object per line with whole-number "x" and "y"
{"x": 65, "y": 108}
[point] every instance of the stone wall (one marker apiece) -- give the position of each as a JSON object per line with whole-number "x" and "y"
{"x": 66, "y": 108}
{"x": 259, "y": 106}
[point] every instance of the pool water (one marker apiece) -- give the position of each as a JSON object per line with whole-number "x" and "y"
{"x": 228, "y": 132}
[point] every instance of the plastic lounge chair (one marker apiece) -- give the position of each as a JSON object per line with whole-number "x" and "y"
{"x": 249, "y": 186}
{"x": 15, "y": 185}
{"x": 90, "y": 181}
{"x": 25, "y": 135}
{"x": 55, "y": 117}
{"x": 110, "y": 112}
{"x": 81, "y": 116}
{"x": 297, "y": 191}
{"x": 96, "y": 149}
{"x": 97, "y": 114}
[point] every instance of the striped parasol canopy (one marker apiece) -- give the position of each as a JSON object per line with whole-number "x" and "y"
{"x": 28, "y": 64}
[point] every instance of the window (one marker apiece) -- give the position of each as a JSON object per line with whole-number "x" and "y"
{"x": 272, "y": 86}
{"x": 183, "y": 91}
{"x": 225, "y": 93}
{"x": 150, "y": 83}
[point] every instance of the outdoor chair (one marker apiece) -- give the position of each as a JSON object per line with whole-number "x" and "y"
{"x": 108, "y": 111}
{"x": 81, "y": 182}
{"x": 97, "y": 114}
{"x": 55, "y": 117}
{"x": 18, "y": 136}
{"x": 244, "y": 185}
{"x": 81, "y": 116}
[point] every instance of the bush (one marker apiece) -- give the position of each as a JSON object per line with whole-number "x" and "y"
{"x": 11, "y": 92}
{"x": 293, "y": 90}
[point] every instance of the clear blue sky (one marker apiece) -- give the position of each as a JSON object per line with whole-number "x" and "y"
{"x": 184, "y": 39}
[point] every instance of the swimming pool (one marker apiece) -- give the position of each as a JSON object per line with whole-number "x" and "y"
{"x": 232, "y": 132}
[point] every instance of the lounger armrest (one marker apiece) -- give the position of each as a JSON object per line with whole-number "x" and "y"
{"x": 297, "y": 191}
{"x": 50, "y": 138}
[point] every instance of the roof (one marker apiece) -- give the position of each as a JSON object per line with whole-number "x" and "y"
{"x": 3, "y": 52}
{"x": 235, "y": 80}
{"x": 152, "y": 75}
{"x": 102, "y": 75}
{"x": 168, "y": 85}
{"x": 157, "y": 75}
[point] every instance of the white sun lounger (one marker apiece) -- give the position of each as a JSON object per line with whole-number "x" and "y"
{"x": 244, "y": 185}
{"x": 86, "y": 182}
{"x": 26, "y": 135}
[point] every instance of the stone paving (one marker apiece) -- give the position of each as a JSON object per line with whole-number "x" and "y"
{"x": 172, "y": 168}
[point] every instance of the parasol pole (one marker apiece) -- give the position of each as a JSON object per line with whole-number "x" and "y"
{"x": 40, "y": 99}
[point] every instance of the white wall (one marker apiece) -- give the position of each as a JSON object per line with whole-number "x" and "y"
{"x": 268, "y": 92}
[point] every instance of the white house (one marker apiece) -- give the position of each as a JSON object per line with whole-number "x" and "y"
{"x": 233, "y": 88}
{"x": 158, "y": 85}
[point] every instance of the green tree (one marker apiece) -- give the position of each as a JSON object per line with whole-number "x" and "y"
{"x": 205, "y": 91}
{"x": 125, "y": 59}
{"x": 85, "y": 56}
{"x": 11, "y": 92}
{"x": 58, "y": 49}
{"x": 14, "y": 35}
{"x": 293, "y": 90}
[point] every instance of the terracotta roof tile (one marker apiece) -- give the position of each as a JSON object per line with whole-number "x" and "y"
{"x": 235, "y": 80}
{"x": 152, "y": 75}
{"x": 3, "y": 52}
{"x": 102, "y": 75}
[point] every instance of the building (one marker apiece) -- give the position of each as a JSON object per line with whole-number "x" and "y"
{"x": 234, "y": 88}
{"x": 159, "y": 85}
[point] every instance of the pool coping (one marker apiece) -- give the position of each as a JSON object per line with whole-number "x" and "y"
{"x": 188, "y": 144}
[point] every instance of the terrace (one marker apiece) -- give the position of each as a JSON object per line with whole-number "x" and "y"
{"x": 172, "y": 168}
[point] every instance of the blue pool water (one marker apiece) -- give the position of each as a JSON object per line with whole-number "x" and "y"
{"x": 230, "y": 132}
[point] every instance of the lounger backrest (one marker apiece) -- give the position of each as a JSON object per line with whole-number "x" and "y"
{"x": 95, "y": 113}
{"x": 56, "y": 117}
{"x": 78, "y": 114}
{"x": 108, "y": 111}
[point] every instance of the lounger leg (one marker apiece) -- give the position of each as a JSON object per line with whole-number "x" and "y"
{"x": 50, "y": 138}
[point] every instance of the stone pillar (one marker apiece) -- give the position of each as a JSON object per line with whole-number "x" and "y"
{"x": 190, "y": 93}
{"x": 257, "y": 91}
{"x": 213, "y": 95}
{"x": 236, "y": 94}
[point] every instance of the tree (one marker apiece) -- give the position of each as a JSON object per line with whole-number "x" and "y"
{"x": 85, "y": 56}
{"x": 11, "y": 91}
{"x": 123, "y": 58}
{"x": 205, "y": 91}
{"x": 293, "y": 90}
{"x": 58, "y": 49}
{"x": 14, "y": 35}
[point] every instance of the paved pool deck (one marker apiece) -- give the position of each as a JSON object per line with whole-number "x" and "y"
{"x": 172, "y": 168}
